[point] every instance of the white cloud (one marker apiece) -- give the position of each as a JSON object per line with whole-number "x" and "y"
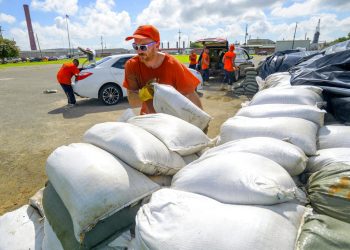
{"x": 7, "y": 18}
{"x": 85, "y": 28}
{"x": 62, "y": 7}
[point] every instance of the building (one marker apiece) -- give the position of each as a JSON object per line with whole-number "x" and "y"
{"x": 255, "y": 46}
{"x": 75, "y": 52}
{"x": 290, "y": 44}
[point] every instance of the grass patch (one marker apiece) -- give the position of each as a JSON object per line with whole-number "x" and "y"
{"x": 25, "y": 64}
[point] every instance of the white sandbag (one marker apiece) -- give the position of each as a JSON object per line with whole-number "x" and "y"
{"x": 279, "y": 79}
{"x": 289, "y": 156}
{"x": 50, "y": 242}
{"x": 180, "y": 220}
{"x": 190, "y": 158}
{"x": 161, "y": 180}
{"x": 132, "y": 145}
{"x": 36, "y": 201}
{"x": 327, "y": 156}
{"x": 287, "y": 96}
{"x": 238, "y": 178}
{"x": 93, "y": 184}
{"x": 299, "y": 132}
{"x": 21, "y": 229}
{"x": 168, "y": 100}
{"x": 128, "y": 113}
{"x": 179, "y": 136}
{"x": 307, "y": 112}
{"x": 334, "y": 136}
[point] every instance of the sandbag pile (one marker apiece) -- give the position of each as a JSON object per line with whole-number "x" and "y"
{"x": 249, "y": 86}
{"x": 96, "y": 187}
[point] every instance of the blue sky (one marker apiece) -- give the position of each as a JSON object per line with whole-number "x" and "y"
{"x": 115, "y": 19}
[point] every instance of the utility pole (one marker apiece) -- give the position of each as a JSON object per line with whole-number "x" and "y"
{"x": 246, "y": 34}
{"x": 295, "y": 31}
{"x": 69, "y": 50}
{"x": 41, "y": 55}
{"x": 179, "y": 40}
{"x": 1, "y": 30}
{"x": 102, "y": 46}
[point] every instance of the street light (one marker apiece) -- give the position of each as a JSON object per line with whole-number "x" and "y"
{"x": 69, "y": 51}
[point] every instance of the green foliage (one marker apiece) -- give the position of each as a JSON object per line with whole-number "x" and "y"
{"x": 8, "y": 49}
{"x": 339, "y": 40}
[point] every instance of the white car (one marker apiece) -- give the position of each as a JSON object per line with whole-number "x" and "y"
{"x": 104, "y": 80}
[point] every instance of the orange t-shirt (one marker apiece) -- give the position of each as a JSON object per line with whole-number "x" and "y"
{"x": 229, "y": 57}
{"x": 170, "y": 72}
{"x": 193, "y": 58}
{"x": 67, "y": 71}
{"x": 205, "y": 61}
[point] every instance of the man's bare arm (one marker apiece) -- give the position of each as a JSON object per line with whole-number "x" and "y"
{"x": 133, "y": 98}
{"x": 193, "y": 97}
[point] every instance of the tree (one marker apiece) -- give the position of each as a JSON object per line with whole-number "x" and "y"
{"x": 8, "y": 49}
{"x": 338, "y": 40}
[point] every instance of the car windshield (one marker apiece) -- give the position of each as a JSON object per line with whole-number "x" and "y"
{"x": 99, "y": 62}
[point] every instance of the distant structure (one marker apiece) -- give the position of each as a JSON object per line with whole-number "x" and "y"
{"x": 296, "y": 44}
{"x": 255, "y": 46}
{"x": 315, "y": 41}
{"x": 29, "y": 26}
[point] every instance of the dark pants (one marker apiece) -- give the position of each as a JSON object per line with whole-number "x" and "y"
{"x": 69, "y": 93}
{"x": 229, "y": 77}
{"x": 205, "y": 75}
{"x": 192, "y": 66}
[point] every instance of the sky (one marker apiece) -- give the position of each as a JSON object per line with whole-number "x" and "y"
{"x": 113, "y": 20}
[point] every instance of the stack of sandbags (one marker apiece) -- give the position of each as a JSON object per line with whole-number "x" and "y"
{"x": 93, "y": 196}
{"x": 249, "y": 86}
{"x": 176, "y": 219}
{"x": 179, "y": 136}
{"x": 22, "y": 228}
{"x": 328, "y": 186}
{"x": 297, "y": 131}
{"x": 169, "y": 101}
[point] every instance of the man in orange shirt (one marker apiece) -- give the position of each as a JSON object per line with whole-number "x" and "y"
{"x": 205, "y": 66}
{"x": 64, "y": 77}
{"x": 229, "y": 61}
{"x": 151, "y": 64}
{"x": 193, "y": 60}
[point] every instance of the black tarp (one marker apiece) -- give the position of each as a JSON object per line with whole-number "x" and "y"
{"x": 331, "y": 72}
{"x": 282, "y": 61}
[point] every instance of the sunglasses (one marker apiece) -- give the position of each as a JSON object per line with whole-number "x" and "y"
{"x": 142, "y": 47}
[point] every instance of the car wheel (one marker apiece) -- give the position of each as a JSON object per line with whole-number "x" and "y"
{"x": 110, "y": 94}
{"x": 237, "y": 75}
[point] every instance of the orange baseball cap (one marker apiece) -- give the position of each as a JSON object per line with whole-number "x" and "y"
{"x": 145, "y": 31}
{"x": 232, "y": 47}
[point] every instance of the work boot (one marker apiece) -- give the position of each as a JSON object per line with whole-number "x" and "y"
{"x": 206, "y": 84}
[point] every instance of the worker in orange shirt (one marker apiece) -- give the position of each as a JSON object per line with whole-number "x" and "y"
{"x": 64, "y": 78}
{"x": 205, "y": 66}
{"x": 150, "y": 64}
{"x": 193, "y": 59}
{"x": 229, "y": 68}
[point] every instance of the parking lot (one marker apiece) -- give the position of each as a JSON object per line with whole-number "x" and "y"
{"x": 33, "y": 124}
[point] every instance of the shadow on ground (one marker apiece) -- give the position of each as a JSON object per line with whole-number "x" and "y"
{"x": 88, "y": 106}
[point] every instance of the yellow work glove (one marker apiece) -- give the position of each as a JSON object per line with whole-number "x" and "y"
{"x": 146, "y": 93}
